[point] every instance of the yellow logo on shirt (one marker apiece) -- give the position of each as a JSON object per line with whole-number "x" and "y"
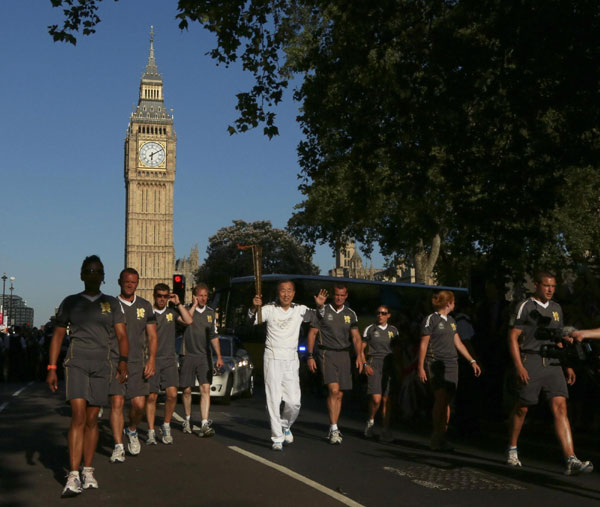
{"x": 556, "y": 317}
{"x": 105, "y": 307}
{"x": 453, "y": 326}
{"x": 170, "y": 317}
{"x": 209, "y": 318}
{"x": 347, "y": 319}
{"x": 390, "y": 334}
{"x": 141, "y": 313}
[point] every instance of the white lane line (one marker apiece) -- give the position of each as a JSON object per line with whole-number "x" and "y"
{"x": 16, "y": 393}
{"x": 309, "y": 482}
{"x": 3, "y": 406}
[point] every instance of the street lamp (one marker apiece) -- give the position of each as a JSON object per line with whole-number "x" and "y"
{"x": 10, "y": 302}
{"x": 4, "y": 277}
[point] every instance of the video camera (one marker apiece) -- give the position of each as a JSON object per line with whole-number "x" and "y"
{"x": 577, "y": 354}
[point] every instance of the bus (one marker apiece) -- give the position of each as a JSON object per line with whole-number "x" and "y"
{"x": 409, "y": 304}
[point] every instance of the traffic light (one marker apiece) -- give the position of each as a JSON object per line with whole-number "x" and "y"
{"x": 179, "y": 287}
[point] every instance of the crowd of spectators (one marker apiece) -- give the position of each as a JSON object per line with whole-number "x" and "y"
{"x": 24, "y": 353}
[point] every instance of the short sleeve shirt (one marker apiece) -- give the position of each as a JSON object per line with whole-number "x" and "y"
{"x": 334, "y": 327}
{"x": 531, "y": 314}
{"x": 441, "y": 333}
{"x": 91, "y": 322}
{"x": 197, "y": 336}
{"x": 380, "y": 340}
{"x": 166, "y": 331}
{"x": 138, "y": 313}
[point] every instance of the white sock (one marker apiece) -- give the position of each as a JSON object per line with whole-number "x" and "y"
{"x": 333, "y": 427}
{"x": 88, "y": 469}
{"x": 119, "y": 446}
{"x": 167, "y": 425}
{"x": 187, "y": 418}
{"x": 371, "y": 422}
{"x": 75, "y": 473}
{"x": 204, "y": 421}
{"x": 151, "y": 431}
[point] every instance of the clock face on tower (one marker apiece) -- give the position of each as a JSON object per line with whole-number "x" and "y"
{"x": 152, "y": 154}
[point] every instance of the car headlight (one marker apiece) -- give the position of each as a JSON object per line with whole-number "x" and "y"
{"x": 243, "y": 362}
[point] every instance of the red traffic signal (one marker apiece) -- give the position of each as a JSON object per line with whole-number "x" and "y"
{"x": 179, "y": 286}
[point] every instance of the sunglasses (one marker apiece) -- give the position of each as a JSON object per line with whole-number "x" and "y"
{"x": 159, "y": 296}
{"x": 381, "y": 313}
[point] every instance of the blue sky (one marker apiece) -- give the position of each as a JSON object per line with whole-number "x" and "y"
{"x": 66, "y": 111}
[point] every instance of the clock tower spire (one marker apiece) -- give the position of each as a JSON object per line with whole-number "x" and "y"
{"x": 150, "y": 149}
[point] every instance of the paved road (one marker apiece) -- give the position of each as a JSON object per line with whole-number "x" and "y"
{"x": 237, "y": 466}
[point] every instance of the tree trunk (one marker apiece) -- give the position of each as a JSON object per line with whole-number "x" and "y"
{"x": 425, "y": 262}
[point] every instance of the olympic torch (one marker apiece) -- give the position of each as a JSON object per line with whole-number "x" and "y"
{"x": 257, "y": 268}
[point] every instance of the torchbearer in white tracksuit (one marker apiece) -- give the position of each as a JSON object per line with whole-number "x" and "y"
{"x": 281, "y": 363}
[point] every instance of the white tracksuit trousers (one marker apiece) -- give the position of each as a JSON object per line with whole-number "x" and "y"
{"x": 282, "y": 382}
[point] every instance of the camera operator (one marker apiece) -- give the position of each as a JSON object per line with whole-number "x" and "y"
{"x": 538, "y": 321}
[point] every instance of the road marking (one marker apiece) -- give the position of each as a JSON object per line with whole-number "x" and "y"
{"x": 16, "y": 393}
{"x": 3, "y": 406}
{"x": 309, "y": 482}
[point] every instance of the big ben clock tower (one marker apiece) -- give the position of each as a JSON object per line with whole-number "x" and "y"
{"x": 149, "y": 179}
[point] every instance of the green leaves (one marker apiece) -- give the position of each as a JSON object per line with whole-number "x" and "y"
{"x": 281, "y": 253}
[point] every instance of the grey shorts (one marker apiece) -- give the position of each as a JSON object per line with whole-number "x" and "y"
{"x": 195, "y": 367}
{"x": 442, "y": 374}
{"x": 335, "y": 366}
{"x": 166, "y": 374}
{"x": 548, "y": 380}
{"x": 383, "y": 380}
{"x": 87, "y": 379}
{"x": 135, "y": 386}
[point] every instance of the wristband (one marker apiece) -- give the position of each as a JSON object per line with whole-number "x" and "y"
{"x": 123, "y": 359}
{"x": 51, "y": 367}
{"x": 472, "y": 361}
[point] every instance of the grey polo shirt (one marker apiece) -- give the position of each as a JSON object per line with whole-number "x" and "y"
{"x": 380, "y": 340}
{"x": 197, "y": 336}
{"x": 441, "y": 333}
{"x": 334, "y": 327}
{"x": 526, "y": 319}
{"x": 91, "y": 322}
{"x": 167, "y": 331}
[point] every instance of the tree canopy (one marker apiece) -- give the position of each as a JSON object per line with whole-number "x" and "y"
{"x": 281, "y": 253}
{"x": 462, "y": 128}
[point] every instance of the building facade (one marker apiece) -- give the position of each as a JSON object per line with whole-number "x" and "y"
{"x": 16, "y": 312}
{"x": 188, "y": 266}
{"x": 150, "y": 160}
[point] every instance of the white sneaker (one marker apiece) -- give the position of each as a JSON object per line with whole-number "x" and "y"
{"x": 88, "y": 479}
{"x": 335, "y": 437}
{"x": 187, "y": 427}
{"x": 73, "y": 485}
{"x": 277, "y": 446}
{"x": 166, "y": 434}
{"x": 512, "y": 458}
{"x": 288, "y": 437}
{"x": 118, "y": 454}
{"x": 576, "y": 466}
{"x": 133, "y": 446}
{"x": 151, "y": 440}
{"x": 369, "y": 430}
{"x": 206, "y": 430}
